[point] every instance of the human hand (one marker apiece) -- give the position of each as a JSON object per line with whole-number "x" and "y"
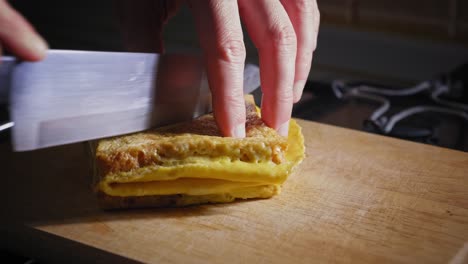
{"x": 19, "y": 36}
{"x": 285, "y": 34}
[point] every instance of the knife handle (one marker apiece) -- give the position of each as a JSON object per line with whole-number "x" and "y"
{"x": 6, "y": 66}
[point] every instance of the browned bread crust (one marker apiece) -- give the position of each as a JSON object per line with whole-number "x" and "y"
{"x": 200, "y": 137}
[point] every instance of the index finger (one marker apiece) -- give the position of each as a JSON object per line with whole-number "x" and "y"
{"x": 19, "y": 36}
{"x": 273, "y": 34}
{"x": 305, "y": 17}
{"x": 221, "y": 38}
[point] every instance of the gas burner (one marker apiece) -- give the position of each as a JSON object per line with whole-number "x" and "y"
{"x": 444, "y": 94}
{"x": 433, "y": 111}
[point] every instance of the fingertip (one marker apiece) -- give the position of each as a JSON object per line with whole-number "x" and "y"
{"x": 277, "y": 113}
{"x": 35, "y": 48}
{"x": 230, "y": 115}
{"x": 19, "y": 36}
{"x": 283, "y": 129}
{"x": 28, "y": 46}
{"x": 238, "y": 131}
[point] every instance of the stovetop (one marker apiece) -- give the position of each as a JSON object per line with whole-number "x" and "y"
{"x": 433, "y": 111}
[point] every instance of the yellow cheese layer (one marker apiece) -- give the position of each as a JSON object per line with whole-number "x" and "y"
{"x": 189, "y": 186}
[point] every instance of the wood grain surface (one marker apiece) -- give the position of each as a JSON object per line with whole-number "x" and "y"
{"x": 356, "y": 197}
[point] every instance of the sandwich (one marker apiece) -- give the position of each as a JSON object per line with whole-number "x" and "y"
{"x": 192, "y": 163}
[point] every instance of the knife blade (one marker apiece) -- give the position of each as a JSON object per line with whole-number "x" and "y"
{"x": 74, "y": 96}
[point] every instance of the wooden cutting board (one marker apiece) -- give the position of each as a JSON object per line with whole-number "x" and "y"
{"x": 356, "y": 197}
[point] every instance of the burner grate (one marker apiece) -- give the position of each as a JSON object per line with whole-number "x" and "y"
{"x": 433, "y": 112}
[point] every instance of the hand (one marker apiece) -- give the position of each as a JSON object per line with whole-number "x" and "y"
{"x": 19, "y": 36}
{"x": 285, "y": 34}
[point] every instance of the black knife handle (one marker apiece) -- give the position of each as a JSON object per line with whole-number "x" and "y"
{"x": 6, "y": 66}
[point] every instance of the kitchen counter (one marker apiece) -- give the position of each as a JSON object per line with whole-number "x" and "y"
{"x": 356, "y": 197}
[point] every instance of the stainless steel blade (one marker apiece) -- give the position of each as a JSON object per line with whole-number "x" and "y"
{"x": 75, "y": 96}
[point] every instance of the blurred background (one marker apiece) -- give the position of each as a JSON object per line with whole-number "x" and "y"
{"x": 404, "y": 59}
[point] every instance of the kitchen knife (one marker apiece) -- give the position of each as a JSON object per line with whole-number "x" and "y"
{"x": 74, "y": 96}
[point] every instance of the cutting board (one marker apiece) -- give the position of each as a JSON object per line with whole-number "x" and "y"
{"x": 356, "y": 197}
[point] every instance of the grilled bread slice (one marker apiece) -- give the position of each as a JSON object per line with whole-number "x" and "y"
{"x": 191, "y": 163}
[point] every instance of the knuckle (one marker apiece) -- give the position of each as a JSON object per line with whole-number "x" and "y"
{"x": 237, "y": 114}
{"x": 227, "y": 96}
{"x": 283, "y": 39}
{"x": 283, "y": 96}
{"x": 233, "y": 100}
{"x": 286, "y": 96}
{"x": 232, "y": 50}
{"x": 233, "y": 105}
{"x": 231, "y": 97}
{"x": 305, "y": 6}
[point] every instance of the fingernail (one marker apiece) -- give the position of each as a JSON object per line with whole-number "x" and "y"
{"x": 239, "y": 131}
{"x": 297, "y": 89}
{"x": 283, "y": 129}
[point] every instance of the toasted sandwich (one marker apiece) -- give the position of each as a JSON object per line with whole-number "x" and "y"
{"x": 192, "y": 163}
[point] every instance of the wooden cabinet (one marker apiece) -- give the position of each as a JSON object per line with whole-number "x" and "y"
{"x": 440, "y": 19}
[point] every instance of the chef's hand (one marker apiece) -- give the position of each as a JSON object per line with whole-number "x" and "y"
{"x": 19, "y": 36}
{"x": 285, "y": 34}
